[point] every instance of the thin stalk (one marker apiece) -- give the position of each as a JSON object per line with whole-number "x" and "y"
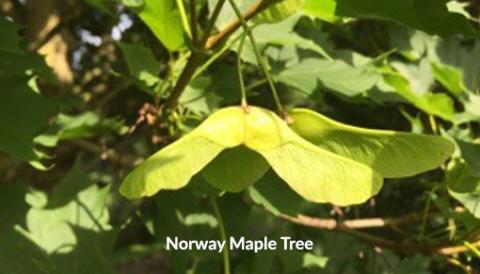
{"x": 433, "y": 124}
{"x": 472, "y": 248}
{"x": 193, "y": 21}
{"x": 425, "y": 218}
{"x": 223, "y": 235}
{"x": 184, "y": 18}
{"x": 211, "y": 22}
{"x": 457, "y": 263}
{"x": 258, "y": 56}
{"x": 243, "y": 91}
{"x": 257, "y": 84}
{"x": 215, "y": 57}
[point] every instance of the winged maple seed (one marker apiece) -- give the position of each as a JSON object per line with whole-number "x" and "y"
{"x": 339, "y": 164}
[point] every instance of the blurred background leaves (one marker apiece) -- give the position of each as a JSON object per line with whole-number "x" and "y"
{"x": 83, "y": 84}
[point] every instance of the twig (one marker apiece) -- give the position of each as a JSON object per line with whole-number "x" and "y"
{"x": 113, "y": 93}
{"x": 205, "y": 65}
{"x": 456, "y": 263}
{"x": 255, "y": 9}
{"x": 187, "y": 74}
{"x": 331, "y": 224}
{"x": 442, "y": 248}
{"x": 111, "y": 155}
{"x": 38, "y": 44}
{"x": 450, "y": 250}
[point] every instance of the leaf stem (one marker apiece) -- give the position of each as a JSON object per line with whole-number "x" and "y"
{"x": 428, "y": 205}
{"x": 257, "y": 84}
{"x": 472, "y": 248}
{"x": 215, "y": 56}
{"x": 223, "y": 235}
{"x": 193, "y": 21}
{"x": 433, "y": 124}
{"x": 212, "y": 21}
{"x": 243, "y": 91}
{"x": 184, "y": 18}
{"x": 262, "y": 62}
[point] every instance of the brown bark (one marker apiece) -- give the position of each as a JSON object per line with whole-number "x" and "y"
{"x": 6, "y": 7}
{"x": 43, "y": 20}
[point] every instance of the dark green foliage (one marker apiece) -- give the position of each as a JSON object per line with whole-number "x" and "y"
{"x": 403, "y": 65}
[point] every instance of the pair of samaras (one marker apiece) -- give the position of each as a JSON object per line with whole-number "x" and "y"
{"x": 322, "y": 160}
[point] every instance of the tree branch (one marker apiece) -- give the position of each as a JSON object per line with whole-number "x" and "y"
{"x": 350, "y": 228}
{"x": 362, "y": 223}
{"x": 106, "y": 154}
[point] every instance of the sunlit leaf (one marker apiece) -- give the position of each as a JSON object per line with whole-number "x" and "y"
{"x": 85, "y": 125}
{"x": 283, "y": 34}
{"x": 324, "y": 10}
{"x": 454, "y": 55}
{"x": 450, "y": 77}
{"x": 163, "y": 18}
{"x": 393, "y": 154}
{"x": 86, "y": 209}
{"x": 431, "y": 16}
{"x": 335, "y": 75}
{"x": 141, "y": 63}
{"x": 311, "y": 260}
{"x": 438, "y": 104}
{"x": 133, "y": 3}
{"x": 280, "y": 11}
{"x": 419, "y": 75}
{"x": 321, "y": 176}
